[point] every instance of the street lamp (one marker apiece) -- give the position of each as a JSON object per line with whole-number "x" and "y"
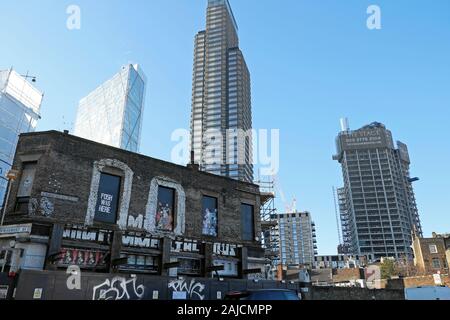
{"x": 12, "y": 176}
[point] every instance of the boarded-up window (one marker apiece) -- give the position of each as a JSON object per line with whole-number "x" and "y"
{"x": 165, "y": 210}
{"x": 247, "y": 222}
{"x": 27, "y": 179}
{"x": 209, "y": 214}
{"x": 107, "y": 198}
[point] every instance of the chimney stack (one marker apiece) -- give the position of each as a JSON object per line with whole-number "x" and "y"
{"x": 192, "y": 165}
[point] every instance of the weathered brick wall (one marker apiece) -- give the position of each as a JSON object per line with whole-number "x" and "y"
{"x": 423, "y": 281}
{"x": 65, "y": 167}
{"x": 425, "y": 258}
{"x": 335, "y": 293}
{"x": 345, "y": 275}
{"x": 412, "y": 282}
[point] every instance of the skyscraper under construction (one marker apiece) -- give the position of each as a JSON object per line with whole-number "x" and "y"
{"x": 377, "y": 204}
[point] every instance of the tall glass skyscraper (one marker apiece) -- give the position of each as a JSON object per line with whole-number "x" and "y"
{"x": 221, "y": 119}
{"x": 377, "y": 203}
{"x": 20, "y": 104}
{"x": 112, "y": 113}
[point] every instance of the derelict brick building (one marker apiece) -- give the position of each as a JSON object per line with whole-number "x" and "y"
{"x": 77, "y": 202}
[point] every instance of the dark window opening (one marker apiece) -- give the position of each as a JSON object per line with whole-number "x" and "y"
{"x": 189, "y": 267}
{"x": 247, "y": 222}
{"x": 22, "y": 205}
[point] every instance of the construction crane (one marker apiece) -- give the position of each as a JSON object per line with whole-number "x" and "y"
{"x": 292, "y": 208}
{"x": 289, "y": 207}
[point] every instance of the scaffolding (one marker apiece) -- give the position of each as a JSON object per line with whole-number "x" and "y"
{"x": 270, "y": 237}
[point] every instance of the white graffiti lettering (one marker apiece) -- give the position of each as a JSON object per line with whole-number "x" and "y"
{"x": 133, "y": 241}
{"x": 193, "y": 289}
{"x": 117, "y": 289}
{"x": 136, "y": 222}
{"x": 222, "y": 249}
{"x": 74, "y": 281}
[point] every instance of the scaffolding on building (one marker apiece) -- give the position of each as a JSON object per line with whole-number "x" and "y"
{"x": 270, "y": 237}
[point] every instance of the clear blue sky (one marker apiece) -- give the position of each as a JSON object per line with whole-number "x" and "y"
{"x": 311, "y": 62}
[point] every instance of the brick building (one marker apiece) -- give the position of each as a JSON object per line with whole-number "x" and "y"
{"x": 431, "y": 255}
{"x": 77, "y": 202}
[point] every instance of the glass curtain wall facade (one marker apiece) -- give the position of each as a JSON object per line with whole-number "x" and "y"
{"x": 20, "y": 104}
{"x": 377, "y": 204}
{"x": 221, "y": 119}
{"x": 112, "y": 113}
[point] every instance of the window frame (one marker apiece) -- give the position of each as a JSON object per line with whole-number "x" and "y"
{"x": 174, "y": 208}
{"x": 119, "y": 198}
{"x": 216, "y": 198}
{"x": 433, "y": 248}
{"x": 252, "y": 224}
{"x": 433, "y": 263}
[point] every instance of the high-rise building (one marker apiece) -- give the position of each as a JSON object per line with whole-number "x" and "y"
{"x": 221, "y": 119}
{"x": 112, "y": 113}
{"x": 298, "y": 244}
{"x": 20, "y": 104}
{"x": 377, "y": 204}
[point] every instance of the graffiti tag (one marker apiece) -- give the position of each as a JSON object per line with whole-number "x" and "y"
{"x": 193, "y": 289}
{"x": 118, "y": 288}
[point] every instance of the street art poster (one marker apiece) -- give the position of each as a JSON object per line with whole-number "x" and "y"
{"x": 164, "y": 212}
{"x": 107, "y": 199}
{"x": 81, "y": 258}
{"x": 210, "y": 216}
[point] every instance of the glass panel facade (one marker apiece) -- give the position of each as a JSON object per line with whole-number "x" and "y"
{"x": 19, "y": 112}
{"x": 221, "y": 97}
{"x": 112, "y": 113}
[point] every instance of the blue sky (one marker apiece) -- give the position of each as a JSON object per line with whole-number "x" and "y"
{"x": 312, "y": 62}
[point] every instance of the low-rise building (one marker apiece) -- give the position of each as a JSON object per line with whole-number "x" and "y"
{"x": 103, "y": 209}
{"x": 431, "y": 255}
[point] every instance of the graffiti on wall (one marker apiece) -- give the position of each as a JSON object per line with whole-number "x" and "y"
{"x": 118, "y": 288}
{"x": 44, "y": 207}
{"x": 210, "y": 227}
{"x": 194, "y": 290}
{"x": 33, "y": 207}
{"x": 47, "y": 207}
{"x": 156, "y": 209}
{"x": 225, "y": 249}
{"x": 81, "y": 258}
